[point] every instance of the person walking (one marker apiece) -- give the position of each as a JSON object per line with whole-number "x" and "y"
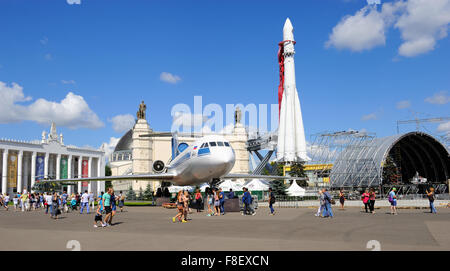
{"x": 64, "y": 198}
{"x": 246, "y": 200}
{"x": 392, "y": 198}
{"x": 222, "y": 201}
{"x": 328, "y": 202}
{"x": 341, "y": 199}
{"x": 210, "y": 201}
{"x": 107, "y": 206}
{"x": 186, "y": 202}
{"x": 55, "y": 206}
{"x": 365, "y": 200}
{"x": 430, "y": 196}
{"x": 372, "y": 197}
{"x": 6, "y": 201}
{"x": 321, "y": 204}
{"x": 271, "y": 201}
{"x": 216, "y": 203}
{"x": 198, "y": 200}
{"x": 85, "y": 202}
{"x": 121, "y": 201}
{"x": 180, "y": 207}
{"x": 98, "y": 216}
{"x": 113, "y": 206}
{"x": 24, "y": 201}
{"x": 16, "y": 202}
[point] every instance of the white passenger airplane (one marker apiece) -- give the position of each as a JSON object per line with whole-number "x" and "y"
{"x": 209, "y": 159}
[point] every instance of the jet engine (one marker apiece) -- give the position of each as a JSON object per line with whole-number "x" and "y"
{"x": 158, "y": 166}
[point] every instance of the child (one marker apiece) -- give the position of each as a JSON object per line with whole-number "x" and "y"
{"x": 6, "y": 201}
{"x": 16, "y": 202}
{"x": 73, "y": 203}
{"x": 98, "y": 216}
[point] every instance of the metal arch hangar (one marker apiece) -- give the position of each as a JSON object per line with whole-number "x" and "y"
{"x": 362, "y": 165}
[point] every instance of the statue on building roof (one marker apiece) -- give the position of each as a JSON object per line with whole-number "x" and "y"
{"x": 141, "y": 112}
{"x": 237, "y": 115}
{"x": 53, "y": 135}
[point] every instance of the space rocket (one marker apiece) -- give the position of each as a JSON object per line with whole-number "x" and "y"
{"x": 291, "y": 145}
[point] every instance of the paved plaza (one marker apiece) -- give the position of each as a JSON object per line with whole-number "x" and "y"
{"x": 151, "y": 228}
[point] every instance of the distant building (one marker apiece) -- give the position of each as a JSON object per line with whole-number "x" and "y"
{"x": 23, "y": 164}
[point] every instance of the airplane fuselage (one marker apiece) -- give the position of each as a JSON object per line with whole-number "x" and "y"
{"x": 209, "y": 158}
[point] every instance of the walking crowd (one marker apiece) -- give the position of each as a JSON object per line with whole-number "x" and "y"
{"x": 55, "y": 203}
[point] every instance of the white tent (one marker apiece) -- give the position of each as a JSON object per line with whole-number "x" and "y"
{"x": 176, "y": 189}
{"x": 227, "y": 184}
{"x": 257, "y": 185}
{"x": 295, "y": 190}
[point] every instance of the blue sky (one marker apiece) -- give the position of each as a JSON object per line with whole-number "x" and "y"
{"x": 110, "y": 55}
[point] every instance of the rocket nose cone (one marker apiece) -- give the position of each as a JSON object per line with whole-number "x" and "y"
{"x": 288, "y": 30}
{"x": 288, "y": 25}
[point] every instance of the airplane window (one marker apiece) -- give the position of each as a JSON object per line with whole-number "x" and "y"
{"x": 202, "y": 145}
{"x": 219, "y": 143}
{"x": 227, "y": 144}
{"x": 206, "y": 145}
{"x": 213, "y": 144}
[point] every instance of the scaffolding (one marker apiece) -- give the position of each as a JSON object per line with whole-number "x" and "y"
{"x": 346, "y": 151}
{"x": 358, "y": 160}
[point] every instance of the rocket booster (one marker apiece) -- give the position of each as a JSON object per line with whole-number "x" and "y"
{"x": 291, "y": 135}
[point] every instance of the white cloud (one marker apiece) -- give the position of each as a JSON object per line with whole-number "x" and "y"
{"x": 403, "y": 104}
{"x": 362, "y": 31}
{"x": 68, "y": 82}
{"x": 421, "y": 24}
{"x": 122, "y": 123}
{"x": 371, "y": 116}
{"x": 373, "y": 2}
{"x": 439, "y": 98}
{"x": 108, "y": 147}
{"x": 71, "y": 2}
{"x": 169, "y": 78}
{"x": 72, "y": 112}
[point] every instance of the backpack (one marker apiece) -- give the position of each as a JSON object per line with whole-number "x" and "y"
{"x": 272, "y": 199}
{"x": 390, "y": 199}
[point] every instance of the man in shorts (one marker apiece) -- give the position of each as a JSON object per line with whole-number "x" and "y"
{"x": 106, "y": 201}
{"x": 393, "y": 200}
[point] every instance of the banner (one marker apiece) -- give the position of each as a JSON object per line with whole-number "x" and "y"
{"x": 85, "y": 172}
{"x": 63, "y": 168}
{"x": 12, "y": 170}
{"x": 40, "y": 167}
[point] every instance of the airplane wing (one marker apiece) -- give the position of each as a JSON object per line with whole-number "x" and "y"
{"x": 145, "y": 177}
{"x": 266, "y": 177}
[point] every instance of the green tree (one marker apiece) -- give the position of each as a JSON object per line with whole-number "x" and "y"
{"x": 131, "y": 195}
{"x": 148, "y": 192}
{"x": 278, "y": 186}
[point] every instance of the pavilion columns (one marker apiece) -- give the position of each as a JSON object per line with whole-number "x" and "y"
{"x": 5, "y": 171}
{"x": 79, "y": 172}
{"x": 33, "y": 170}
{"x": 90, "y": 174}
{"x": 58, "y": 166}
{"x": 99, "y": 166}
{"x": 46, "y": 165}
{"x": 19, "y": 172}
{"x": 69, "y": 173}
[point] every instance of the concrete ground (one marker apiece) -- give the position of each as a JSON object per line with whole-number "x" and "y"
{"x": 151, "y": 228}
